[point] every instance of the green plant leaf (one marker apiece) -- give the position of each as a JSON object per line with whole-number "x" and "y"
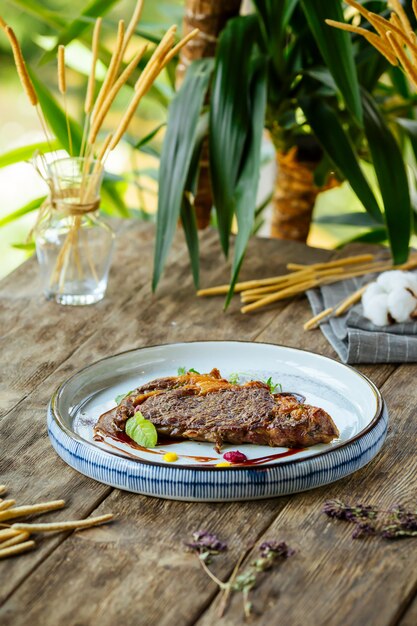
{"x": 26, "y": 247}
{"x": 247, "y": 185}
{"x": 410, "y": 128}
{"x": 188, "y": 216}
{"x": 336, "y": 48}
{"x": 275, "y": 17}
{"x": 177, "y": 151}
{"x": 348, "y": 219}
{"x": 145, "y": 140}
{"x": 40, "y": 13}
{"x": 94, "y": 9}
{"x": 24, "y": 153}
{"x": 141, "y": 430}
{"x": 55, "y": 117}
{"x": 337, "y": 145}
{"x": 229, "y": 116}
{"x": 377, "y": 235}
{"x": 33, "y": 205}
{"x": 392, "y": 178}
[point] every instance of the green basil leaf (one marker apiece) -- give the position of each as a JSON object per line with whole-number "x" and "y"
{"x": 141, "y": 430}
{"x": 121, "y": 397}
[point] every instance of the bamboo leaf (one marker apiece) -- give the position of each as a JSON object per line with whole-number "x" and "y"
{"x": 55, "y": 117}
{"x": 33, "y": 205}
{"x": 336, "y": 48}
{"x": 247, "y": 186}
{"x": 229, "y": 116}
{"x": 177, "y": 151}
{"x": 24, "y": 153}
{"x": 392, "y": 178}
{"x": 336, "y": 144}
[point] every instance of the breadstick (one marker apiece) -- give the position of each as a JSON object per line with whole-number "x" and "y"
{"x": 313, "y": 322}
{"x": 7, "y": 533}
{"x": 6, "y": 504}
{"x": 14, "y": 541}
{"x": 13, "y": 550}
{"x": 42, "y": 507}
{"x": 60, "y": 526}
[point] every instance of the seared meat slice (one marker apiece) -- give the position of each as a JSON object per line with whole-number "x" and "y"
{"x": 209, "y": 408}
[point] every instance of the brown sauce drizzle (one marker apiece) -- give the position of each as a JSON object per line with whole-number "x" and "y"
{"x": 164, "y": 441}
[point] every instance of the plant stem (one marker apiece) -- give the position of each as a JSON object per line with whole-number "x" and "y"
{"x": 218, "y": 582}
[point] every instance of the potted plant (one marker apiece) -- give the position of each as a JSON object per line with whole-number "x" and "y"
{"x": 320, "y": 97}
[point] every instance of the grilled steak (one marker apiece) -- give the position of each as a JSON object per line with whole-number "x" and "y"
{"x": 206, "y": 407}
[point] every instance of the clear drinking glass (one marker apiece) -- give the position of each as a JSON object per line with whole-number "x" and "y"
{"x": 73, "y": 244}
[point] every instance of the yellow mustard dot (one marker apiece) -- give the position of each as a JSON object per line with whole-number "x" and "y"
{"x": 170, "y": 457}
{"x": 223, "y": 464}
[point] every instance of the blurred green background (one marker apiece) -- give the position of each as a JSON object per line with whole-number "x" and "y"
{"x": 37, "y": 26}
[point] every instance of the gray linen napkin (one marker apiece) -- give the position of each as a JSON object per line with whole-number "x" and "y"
{"x": 355, "y": 338}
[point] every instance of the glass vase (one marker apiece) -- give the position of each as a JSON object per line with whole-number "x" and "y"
{"x": 74, "y": 244}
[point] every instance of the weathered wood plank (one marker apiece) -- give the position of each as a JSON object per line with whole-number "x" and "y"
{"x": 173, "y": 315}
{"x": 334, "y": 579}
{"x": 410, "y": 616}
{"x": 37, "y": 335}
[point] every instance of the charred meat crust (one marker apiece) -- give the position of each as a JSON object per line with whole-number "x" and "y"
{"x": 206, "y": 407}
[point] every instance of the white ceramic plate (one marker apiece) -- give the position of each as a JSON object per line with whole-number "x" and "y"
{"x": 350, "y": 398}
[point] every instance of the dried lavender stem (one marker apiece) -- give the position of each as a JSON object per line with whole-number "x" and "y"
{"x": 226, "y": 593}
{"x": 208, "y": 571}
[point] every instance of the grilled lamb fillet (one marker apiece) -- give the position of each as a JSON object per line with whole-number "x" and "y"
{"x": 207, "y": 407}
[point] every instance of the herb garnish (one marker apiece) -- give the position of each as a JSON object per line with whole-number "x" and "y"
{"x": 234, "y": 378}
{"x": 394, "y": 523}
{"x": 273, "y": 386}
{"x": 141, "y": 430}
{"x": 205, "y": 545}
{"x": 182, "y": 371}
{"x": 122, "y": 396}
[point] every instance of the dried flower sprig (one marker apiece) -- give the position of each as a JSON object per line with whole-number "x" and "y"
{"x": 205, "y": 545}
{"x": 271, "y": 552}
{"x": 394, "y": 523}
{"x": 395, "y": 38}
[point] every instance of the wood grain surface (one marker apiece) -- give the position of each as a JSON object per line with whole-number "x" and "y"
{"x": 135, "y": 571}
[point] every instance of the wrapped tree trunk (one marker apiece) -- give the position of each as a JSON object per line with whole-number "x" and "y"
{"x": 295, "y": 194}
{"x": 210, "y": 17}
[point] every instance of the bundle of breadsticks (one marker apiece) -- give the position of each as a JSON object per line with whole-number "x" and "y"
{"x": 17, "y": 538}
{"x": 96, "y": 107}
{"x": 256, "y": 294}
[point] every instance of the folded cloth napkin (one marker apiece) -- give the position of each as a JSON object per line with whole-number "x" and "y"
{"x": 354, "y": 337}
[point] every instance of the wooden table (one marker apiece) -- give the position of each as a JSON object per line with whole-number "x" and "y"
{"x": 135, "y": 571}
